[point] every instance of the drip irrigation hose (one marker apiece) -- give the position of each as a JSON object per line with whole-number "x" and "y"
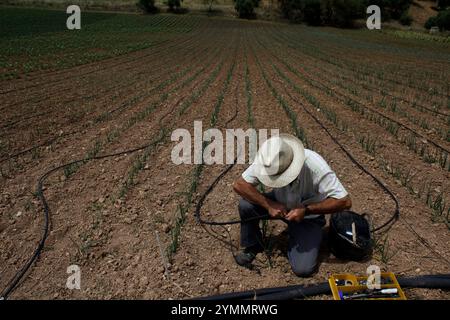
{"x": 396, "y": 213}
{"x": 12, "y": 284}
{"x": 440, "y": 281}
{"x": 211, "y": 187}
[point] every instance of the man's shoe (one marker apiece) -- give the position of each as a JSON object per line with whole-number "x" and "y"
{"x": 246, "y": 256}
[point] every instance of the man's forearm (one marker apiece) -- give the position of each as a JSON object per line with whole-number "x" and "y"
{"x": 329, "y": 206}
{"x": 250, "y": 193}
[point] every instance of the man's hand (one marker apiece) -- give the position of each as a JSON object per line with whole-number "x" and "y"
{"x": 296, "y": 215}
{"x": 276, "y": 209}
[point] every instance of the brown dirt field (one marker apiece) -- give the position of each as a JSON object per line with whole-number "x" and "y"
{"x": 106, "y": 215}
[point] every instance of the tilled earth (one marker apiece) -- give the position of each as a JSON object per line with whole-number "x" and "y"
{"x": 128, "y": 220}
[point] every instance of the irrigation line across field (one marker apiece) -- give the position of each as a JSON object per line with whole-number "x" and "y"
{"x": 396, "y": 214}
{"x": 12, "y": 284}
{"x": 106, "y": 115}
{"x": 437, "y": 204}
{"x": 442, "y": 157}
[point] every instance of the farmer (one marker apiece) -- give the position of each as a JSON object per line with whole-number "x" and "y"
{"x": 305, "y": 189}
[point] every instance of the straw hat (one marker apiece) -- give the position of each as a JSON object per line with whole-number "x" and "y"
{"x": 279, "y": 160}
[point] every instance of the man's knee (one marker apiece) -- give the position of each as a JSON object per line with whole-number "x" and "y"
{"x": 304, "y": 270}
{"x": 245, "y": 207}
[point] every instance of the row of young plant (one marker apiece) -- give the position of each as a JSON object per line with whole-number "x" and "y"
{"x": 341, "y": 79}
{"x": 108, "y": 94}
{"x": 302, "y": 41}
{"x": 435, "y": 200}
{"x": 138, "y": 80}
{"x": 114, "y": 134}
{"x": 139, "y": 97}
{"x": 52, "y": 50}
{"x": 160, "y": 87}
{"x": 141, "y": 160}
{"x": 429, "y": 152}
{"x": 406, "y": 72}
{"x": 382, "y": 245}
{"x": 366, "y": 79}
{"x": 185, "y": 204}
{"x": 162, "y": 136}
{"x": 392, "y": 106}
{"x": 158, "y": 50}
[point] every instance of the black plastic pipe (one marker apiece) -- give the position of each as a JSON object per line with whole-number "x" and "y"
{"x": 439, "y": 281}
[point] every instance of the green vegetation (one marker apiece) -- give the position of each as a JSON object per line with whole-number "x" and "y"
{"x": 174, "y": 5}
{"x": 148, "y": 6}
{"x": 442, "y": 20}
{"x": 34, "y": 39}
{"x": 342, "y": 13}
{"x": 246, "y": 8}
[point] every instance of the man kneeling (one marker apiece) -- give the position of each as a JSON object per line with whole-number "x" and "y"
{"x": 304, "y": 190}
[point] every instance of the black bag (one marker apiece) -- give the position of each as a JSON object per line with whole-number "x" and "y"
{"x": 343, "y": 244}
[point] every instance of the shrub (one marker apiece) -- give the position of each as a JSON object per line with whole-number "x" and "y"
{"x": 443, "y": 4}
{"x": 148, "y": 6}
{"x": 442, "y": 20}
{"x": 343, "y": 12}
{"x": 406, "y": 19}
{"x": 431, "y": 22}
{"x": 308, "y": 11}
{"x": 392, "y": 9}
{"x": 174, "y": 5}
{"x": 312, "y": 12}
{"x": 246, "y": 8}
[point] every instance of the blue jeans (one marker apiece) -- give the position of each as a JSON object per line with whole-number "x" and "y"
{"x": 305, "y": 237}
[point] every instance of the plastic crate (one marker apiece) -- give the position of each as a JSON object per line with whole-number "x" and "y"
{"x": 348, "y": 283}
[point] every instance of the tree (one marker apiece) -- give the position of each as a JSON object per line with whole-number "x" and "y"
{"x": 341, "y": 13}
{"x": 302, "y": 10}
{"x": 443, "y": 4}
{"x": 148, "y": 6}
{"x": 174, "y": 5}
{"x": 246, "y": 8}
{"x": 209, "y": 3}
{"x": 442, "y": 20}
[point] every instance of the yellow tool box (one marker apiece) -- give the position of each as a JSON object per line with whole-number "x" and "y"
{"x": 351, "y": 287}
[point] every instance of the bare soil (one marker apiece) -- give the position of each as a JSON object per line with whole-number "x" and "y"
{"x": 113, "y": 217}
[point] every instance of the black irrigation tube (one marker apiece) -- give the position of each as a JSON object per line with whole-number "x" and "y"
{"x": 439, "y": 281}
{"x": 298, "y": 292}
{"x": 421, "y": 239}
{"x": 400, "y": 124}
{"x": 211, "y": 187}
{"x": 14, "y": 282}
{"x": 53, "y": 139}
{"x": 396, "y": 213}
